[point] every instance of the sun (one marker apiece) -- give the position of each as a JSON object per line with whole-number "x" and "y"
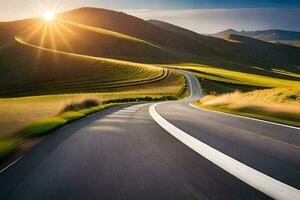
{"x": 49, "y": 16}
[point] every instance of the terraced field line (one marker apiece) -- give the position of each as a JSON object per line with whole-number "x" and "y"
{"x": 109, "y": 60}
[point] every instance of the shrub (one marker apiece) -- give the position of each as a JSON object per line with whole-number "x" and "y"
{"x": 89, "y": 103}
{"x": 141, "y": 99}
{"x": 80, "y": 106}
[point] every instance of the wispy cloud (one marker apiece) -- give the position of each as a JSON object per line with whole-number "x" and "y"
{"x": 214, "y": 20}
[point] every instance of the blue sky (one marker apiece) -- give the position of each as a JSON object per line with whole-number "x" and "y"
{"x": 203, "y": 16}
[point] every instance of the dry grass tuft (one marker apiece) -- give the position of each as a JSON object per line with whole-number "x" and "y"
{"x": 278, "y": 100}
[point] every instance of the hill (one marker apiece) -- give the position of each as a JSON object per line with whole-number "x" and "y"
{"x": 72, "y": 53}
{"x": 239, "y": 53}
{"x": 61, "y": 57}
{"x": 277, "y": 36}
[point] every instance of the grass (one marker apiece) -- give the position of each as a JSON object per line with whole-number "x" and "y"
{"x": 216, "y": 87}
{"x": 278, "y": 104}
{"x": 141, "y": 99}
{"x": 7, "y": 146}
{"x": 260, "y": 96}
{"x": 235, "y": 77}
{"x": 26, "y": 112}
{"x": 98, "y": 75}
{"x": 72, "y": 116}
{"x": 41, "y": 127}
{"x": 16, "y": 113}
{"x": 38, "y": 128}
{"x": 44, "y": 126}
{"x": 95, "y": 109}
{"x": 73, "y": 106}
{"x": 287, "y": 119}
{"x": 48, "y": 68}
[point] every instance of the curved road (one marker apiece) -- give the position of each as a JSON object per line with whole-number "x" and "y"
{"x": 163, "y": 151}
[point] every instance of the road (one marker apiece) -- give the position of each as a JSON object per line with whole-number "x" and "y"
{"x": 126, "y": 153}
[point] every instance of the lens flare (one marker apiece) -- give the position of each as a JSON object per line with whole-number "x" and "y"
{"x": 49, "y": 16}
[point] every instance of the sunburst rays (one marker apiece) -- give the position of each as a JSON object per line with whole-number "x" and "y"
{"x": 48, "y": 31}
{"x": 52, "y": 35}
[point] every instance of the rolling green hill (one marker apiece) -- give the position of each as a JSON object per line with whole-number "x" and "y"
{"x": 84, "y": 51}
{"x": 40, "y": 58}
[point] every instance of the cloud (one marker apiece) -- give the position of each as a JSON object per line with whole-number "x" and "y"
{"x": 214, "y": 20}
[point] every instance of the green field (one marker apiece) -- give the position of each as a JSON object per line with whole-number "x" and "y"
{"x": 255, "y": 79}
{"x": 99, "y": 74}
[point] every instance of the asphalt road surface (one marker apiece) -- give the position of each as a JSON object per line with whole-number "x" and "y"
{"x": 128, "y": 153}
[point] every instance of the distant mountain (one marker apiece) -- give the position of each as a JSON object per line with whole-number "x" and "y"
{"x": 277, "y": 36}
{"x": 238, "y": 49}
{"x": 227, "y": 32}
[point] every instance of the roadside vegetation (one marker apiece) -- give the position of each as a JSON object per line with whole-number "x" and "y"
{"x": 38, "y": 128}
{"x": 278, "y": 105}
{"x": 30, "y": 117}
{"x": 268, "y": 97}
{"x": 258, "y": 77}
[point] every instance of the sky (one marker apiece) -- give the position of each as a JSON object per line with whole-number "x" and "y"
{"x": 203, "y": 16}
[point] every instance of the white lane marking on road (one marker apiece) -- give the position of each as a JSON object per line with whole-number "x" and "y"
{"x": 5, "y": 168}
{"x": 238, "y": 116}
{"x": 254, "y": 178}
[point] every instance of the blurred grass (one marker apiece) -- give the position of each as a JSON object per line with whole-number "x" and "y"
{"x": 7, "y": 146}
{"x": 38, "y": 128}
{"x": 72, "y": 116}
{"x": 287, "y": 119}
{"x": 261, "y": 96}
{"x": 278, "y": 104}
{"x": 41, "y": 127}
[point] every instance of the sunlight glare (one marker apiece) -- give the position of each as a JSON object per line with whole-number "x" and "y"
{"x": 49, "y": 16}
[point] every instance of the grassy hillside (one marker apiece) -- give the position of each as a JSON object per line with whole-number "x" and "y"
{"x": 78, "y": 38}
{"x": 240, "y": 78}
{"x": 103, "y": 33}
{"x": 65, "y": 61}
